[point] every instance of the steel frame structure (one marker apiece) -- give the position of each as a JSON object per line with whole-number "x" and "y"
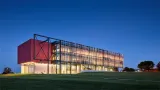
{"x": 70, "y": 53}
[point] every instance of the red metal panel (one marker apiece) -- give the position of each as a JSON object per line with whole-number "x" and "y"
{"x": 41, "y": 50}
{"x": 24, "y": 52}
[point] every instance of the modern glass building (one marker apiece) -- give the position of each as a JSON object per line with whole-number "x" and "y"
{"x": 53, "y": 56}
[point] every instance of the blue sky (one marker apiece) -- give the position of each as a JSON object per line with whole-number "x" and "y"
{"x": 131, "y": 27}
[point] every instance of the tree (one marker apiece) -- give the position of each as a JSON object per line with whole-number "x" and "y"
{"x": 116, "y": 69}
{"x": 141, "y": 66}
{"x": 7, "y": 70}
{"x": 131, "y": 69}
{"x": 158, "y": 66}
{"x": 127, "y": 69}
{"x": 146, "y": 65}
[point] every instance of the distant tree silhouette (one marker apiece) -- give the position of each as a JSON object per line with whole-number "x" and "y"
{"x": 158, "y": 66}
{"x": 116, "y": 69}
{"x": 146, "y": 65}
{"x": 127, "y": 69}
{"x": 131, "y": 69}
{"x": 7, "y": 70}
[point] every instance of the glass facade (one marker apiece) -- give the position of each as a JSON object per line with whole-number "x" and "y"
{"x": 72, "y": 58}
{"x": 54, "y": 56}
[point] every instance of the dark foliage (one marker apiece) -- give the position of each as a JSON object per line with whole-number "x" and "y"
{"x": 7, "y": 70}
{"x": 127, "y": 69}
{"x": 116, "y": 69}
{"x": 158, "y": 66}
{"x": 146, "y": 65}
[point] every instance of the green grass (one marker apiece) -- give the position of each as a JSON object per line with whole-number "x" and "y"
{"x": 83, "y": 81}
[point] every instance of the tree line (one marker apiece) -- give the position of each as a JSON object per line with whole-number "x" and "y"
{"x": 143, "y": 66}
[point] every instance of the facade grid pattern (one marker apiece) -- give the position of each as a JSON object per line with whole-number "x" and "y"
{"x": 70, "y": 58}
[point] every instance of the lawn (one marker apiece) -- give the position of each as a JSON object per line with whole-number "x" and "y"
{"x": 83, "y": 81}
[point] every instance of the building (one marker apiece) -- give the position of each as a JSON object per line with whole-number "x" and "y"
{"x": 53, "y": 56}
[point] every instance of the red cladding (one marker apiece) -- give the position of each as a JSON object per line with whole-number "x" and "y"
{"x": 26, "y": 51}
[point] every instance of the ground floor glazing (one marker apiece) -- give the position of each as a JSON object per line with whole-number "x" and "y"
{"x": 41, "y": 68}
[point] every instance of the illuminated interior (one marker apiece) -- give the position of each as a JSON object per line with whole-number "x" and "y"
{"x": 87, "y": 57}
{"x": 72, "y": 59}
{"x": 41, "y": 68}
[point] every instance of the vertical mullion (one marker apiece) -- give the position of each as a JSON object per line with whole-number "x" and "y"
{"x": 48, "y": 55}
{"x": 56, "y": 57}
{"x": 60, "y": 57}
{"x": 70, "y": 56}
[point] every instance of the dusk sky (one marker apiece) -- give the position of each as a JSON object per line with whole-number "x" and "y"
{"x": 131, "y": 27}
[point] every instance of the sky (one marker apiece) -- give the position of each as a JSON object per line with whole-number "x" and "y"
{"x": 131, "y": 27}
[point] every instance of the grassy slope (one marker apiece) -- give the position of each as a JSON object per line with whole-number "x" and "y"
{"x": 85, "y": 81}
